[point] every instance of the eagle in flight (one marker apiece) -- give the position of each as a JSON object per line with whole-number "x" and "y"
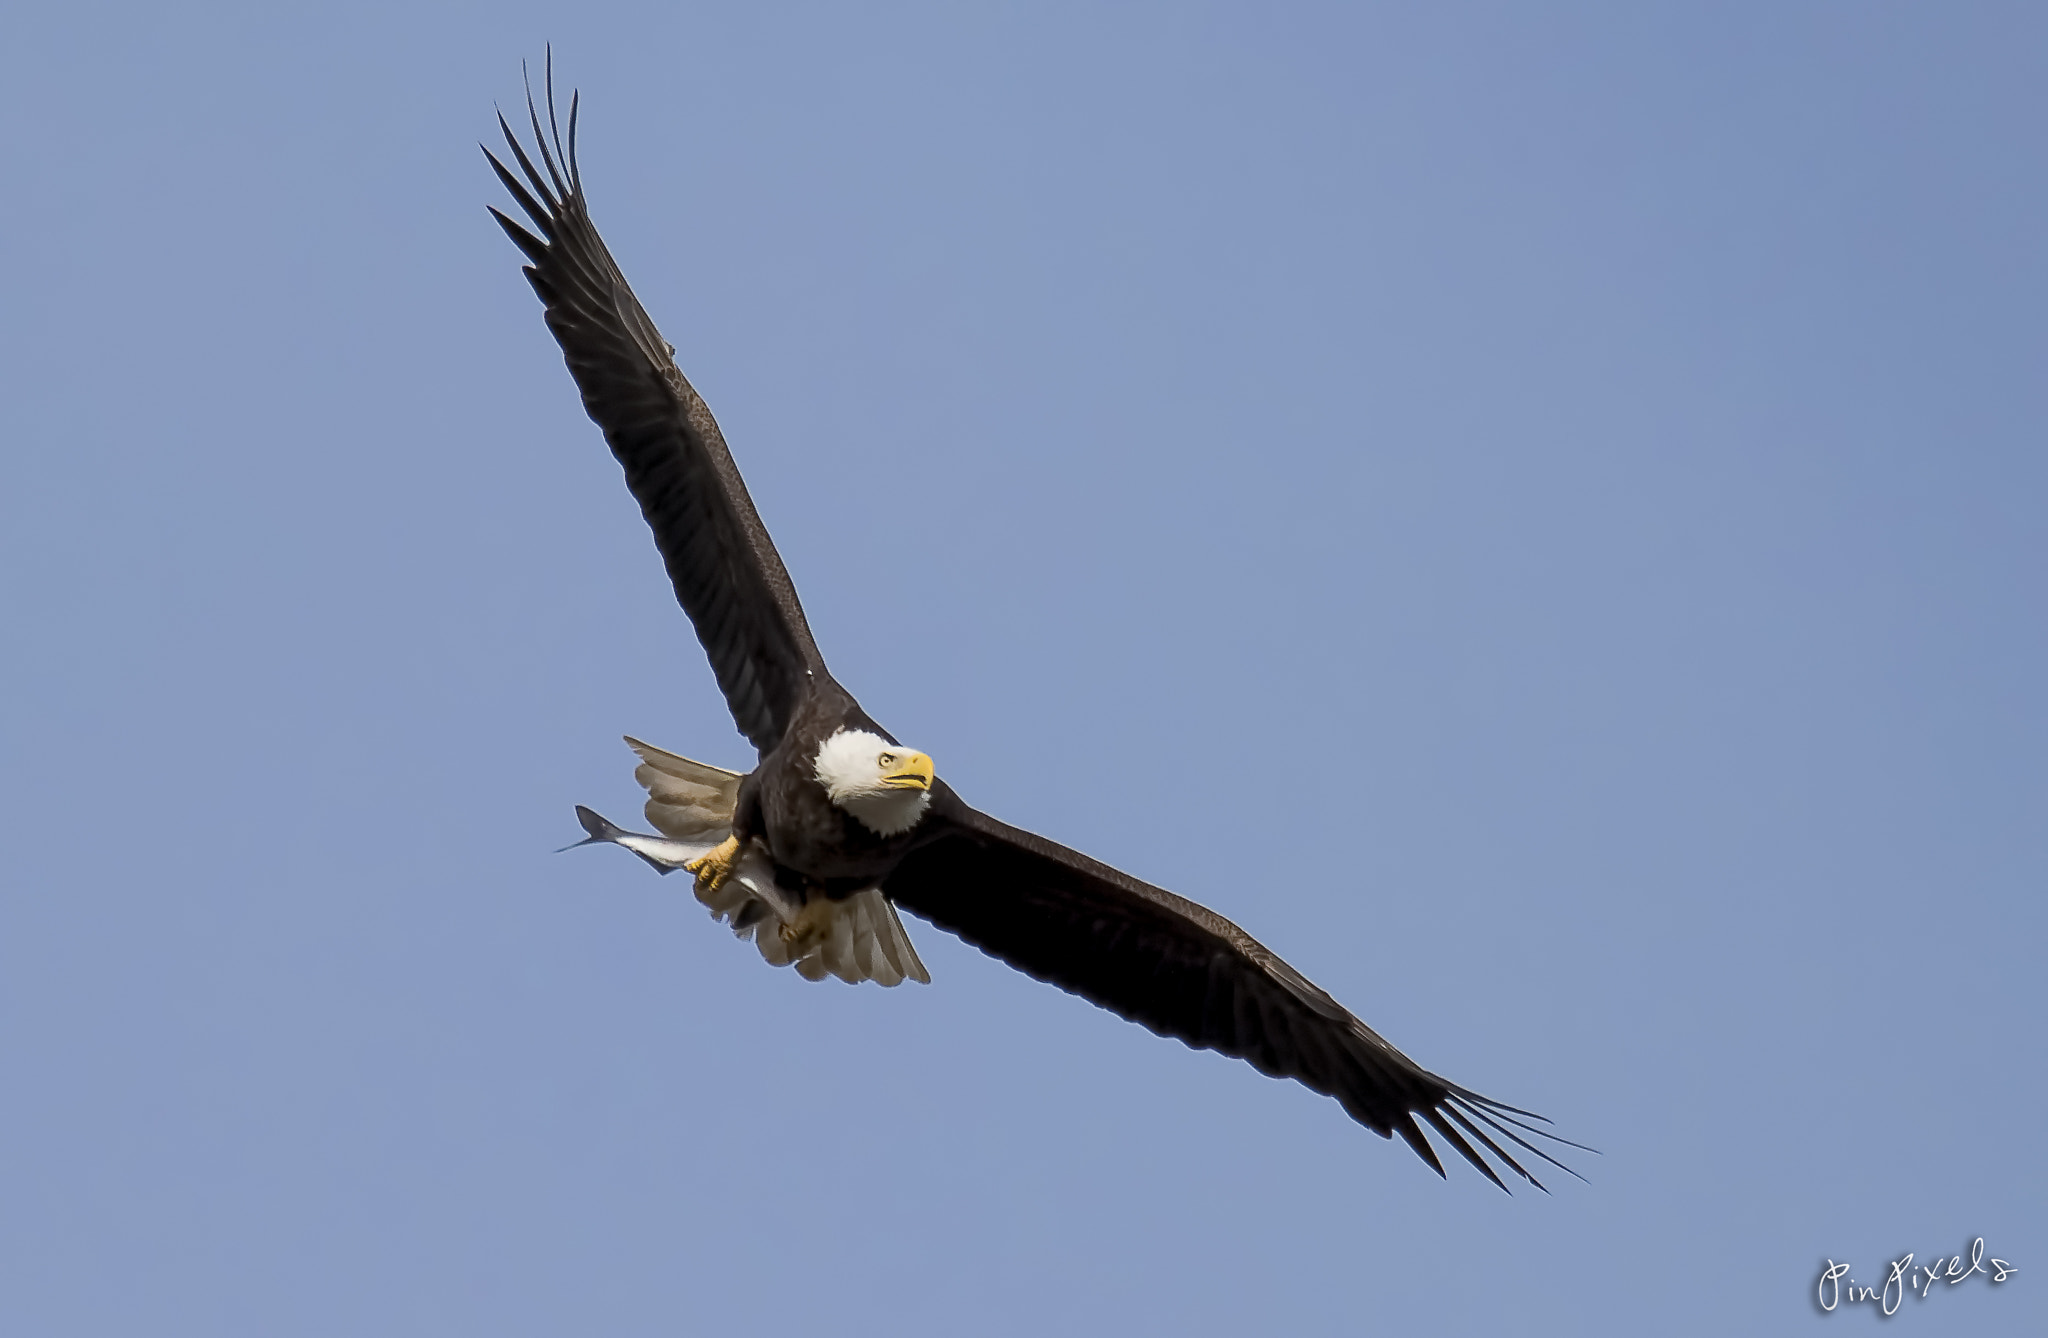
{"x": 839, "y": 825}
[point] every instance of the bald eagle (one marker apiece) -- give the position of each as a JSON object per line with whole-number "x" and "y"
{"x": 839, "y": 824}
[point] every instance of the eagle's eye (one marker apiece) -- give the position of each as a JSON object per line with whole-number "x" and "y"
{"x": 887, "y": 759}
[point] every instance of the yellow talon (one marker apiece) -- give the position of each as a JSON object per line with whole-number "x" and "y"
{"x": 715, "y": 866}
{"x": 809, "y": 926}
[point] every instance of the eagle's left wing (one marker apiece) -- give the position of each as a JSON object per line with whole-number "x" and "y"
{"x": 1184, "y": 971}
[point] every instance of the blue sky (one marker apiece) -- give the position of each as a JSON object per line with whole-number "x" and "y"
{"x": 1538, "y": 516}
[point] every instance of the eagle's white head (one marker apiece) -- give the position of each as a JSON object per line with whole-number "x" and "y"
{"x": 885, "y": 786}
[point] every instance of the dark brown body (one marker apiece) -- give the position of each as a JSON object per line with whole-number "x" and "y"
{"x": 817, "y": 846}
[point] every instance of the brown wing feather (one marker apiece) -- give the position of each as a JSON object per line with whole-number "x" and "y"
{"x": 726, "y": 572}
{"x": 1184, "y": 971}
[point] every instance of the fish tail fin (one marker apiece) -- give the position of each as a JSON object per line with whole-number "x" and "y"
{"x": 600, "y": 828}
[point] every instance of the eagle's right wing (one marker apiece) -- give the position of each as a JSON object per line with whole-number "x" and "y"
{"x": 726, "y": 572}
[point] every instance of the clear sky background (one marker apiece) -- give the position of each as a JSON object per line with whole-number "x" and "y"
{"x": 1539, "y": 513}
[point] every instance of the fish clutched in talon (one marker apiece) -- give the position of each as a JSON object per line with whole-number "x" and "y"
{"x": 715, "y": 866}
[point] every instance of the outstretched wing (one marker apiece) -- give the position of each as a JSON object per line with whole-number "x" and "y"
{"x": 726, "y": 572}
{"x": 1184, "y": 971}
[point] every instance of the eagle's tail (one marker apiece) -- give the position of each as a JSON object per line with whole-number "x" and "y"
{"x": 863, "y": 940}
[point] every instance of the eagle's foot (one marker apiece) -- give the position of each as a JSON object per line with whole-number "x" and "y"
{"x": 809, "y": 926}
{"x": 715, "y": 866}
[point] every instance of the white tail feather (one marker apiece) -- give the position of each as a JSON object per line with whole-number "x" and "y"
{"x": 686, "y": 801}
{"x": 863, "y": 939}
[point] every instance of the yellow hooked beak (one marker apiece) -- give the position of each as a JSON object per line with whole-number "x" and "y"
{"x": 911, "y": 772}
